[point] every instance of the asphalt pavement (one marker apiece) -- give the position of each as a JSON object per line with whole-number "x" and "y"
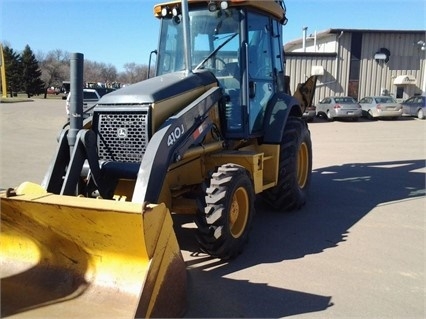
{"x": 355, "y": 250}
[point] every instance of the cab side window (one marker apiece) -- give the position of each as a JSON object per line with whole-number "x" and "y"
{"x": 260, "y": 63}
{"x": 260, "y": 68}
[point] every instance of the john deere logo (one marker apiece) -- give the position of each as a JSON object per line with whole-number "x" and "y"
{"x": 122, "y": 132}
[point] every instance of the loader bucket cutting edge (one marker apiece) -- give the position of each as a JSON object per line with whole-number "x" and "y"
{"x": 79, "y": 257}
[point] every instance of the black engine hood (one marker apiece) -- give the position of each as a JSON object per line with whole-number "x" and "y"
{"x": 158, "y": 88}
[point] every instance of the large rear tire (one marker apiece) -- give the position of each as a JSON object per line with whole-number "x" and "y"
{"x": 295, "y": 168}
{"x": 227, "y": 210}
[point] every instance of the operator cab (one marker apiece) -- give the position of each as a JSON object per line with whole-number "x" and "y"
{"x": 241, "y": 46}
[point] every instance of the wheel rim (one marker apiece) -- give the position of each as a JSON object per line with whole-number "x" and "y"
{"x": 302, "y": 165}
{"x": 420, "y": 114}
{"x": 239, "y": 211}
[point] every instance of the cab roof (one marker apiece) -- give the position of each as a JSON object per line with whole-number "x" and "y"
{"x": 273, "y": 8}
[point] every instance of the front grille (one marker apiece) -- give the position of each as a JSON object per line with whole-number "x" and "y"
{"x": 122, "y": 137}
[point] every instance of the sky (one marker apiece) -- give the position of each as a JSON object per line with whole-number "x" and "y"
{"x": 124, "y": 31}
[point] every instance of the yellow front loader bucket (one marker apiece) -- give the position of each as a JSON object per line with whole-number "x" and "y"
{"x": 73, "y": 257}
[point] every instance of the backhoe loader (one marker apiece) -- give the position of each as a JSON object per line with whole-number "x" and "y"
{"x": 210, "y": 133}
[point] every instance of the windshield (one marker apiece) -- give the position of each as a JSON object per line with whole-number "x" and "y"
{"x": 214, "y": 42}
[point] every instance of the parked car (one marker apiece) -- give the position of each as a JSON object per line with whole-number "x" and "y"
{"x": 415, "y": 106}
{"x": 90, "y": 98}
{"x": 310, "y": 113}
{"x": 339, "y": 107}
{"x": 53, "y": 90}
{"x": 380, "y": 107}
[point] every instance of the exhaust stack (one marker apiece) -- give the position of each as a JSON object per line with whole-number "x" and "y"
{"x": 76, "y": 101}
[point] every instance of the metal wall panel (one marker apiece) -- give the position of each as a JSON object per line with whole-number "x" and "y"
{"x": 335, "y": 78}
{"x": 406, "y": 58}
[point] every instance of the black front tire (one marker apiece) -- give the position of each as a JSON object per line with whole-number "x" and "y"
{"x": 295, "y": 168}
{"x": 225, "y": 216}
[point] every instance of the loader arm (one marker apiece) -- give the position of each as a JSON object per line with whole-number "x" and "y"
{"x": 169, "y": 143}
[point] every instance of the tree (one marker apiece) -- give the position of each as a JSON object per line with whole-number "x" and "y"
{"x": 99, "y": 72}
{"x": 134, "y": 73}
{"x": 34, "y": 74}
{"x": 54, "y": 68}
{"x": 31, "y": 73}
{"x": 13, "y": 70}
{"x": 109, "y": 73}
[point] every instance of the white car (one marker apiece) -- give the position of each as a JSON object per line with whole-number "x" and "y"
{"x": 380, "y": 107}
{"x": 90, "y": 98}
{"x": 339, "y": 107}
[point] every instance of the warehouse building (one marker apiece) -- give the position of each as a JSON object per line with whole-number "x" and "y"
{"x": 358, "y": 62}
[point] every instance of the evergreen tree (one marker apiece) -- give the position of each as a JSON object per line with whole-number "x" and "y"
{"x": 13, "y": 70}
{"x": 31, "y": 82}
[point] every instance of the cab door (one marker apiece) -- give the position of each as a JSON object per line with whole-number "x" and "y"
{"x": 260, "y": 69}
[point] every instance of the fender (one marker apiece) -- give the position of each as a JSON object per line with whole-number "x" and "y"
{"x": 279, "y": 108}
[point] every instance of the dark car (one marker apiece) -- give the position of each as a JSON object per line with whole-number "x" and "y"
{"x": 310, "y": 113}
{"x": 415, "y": 106}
